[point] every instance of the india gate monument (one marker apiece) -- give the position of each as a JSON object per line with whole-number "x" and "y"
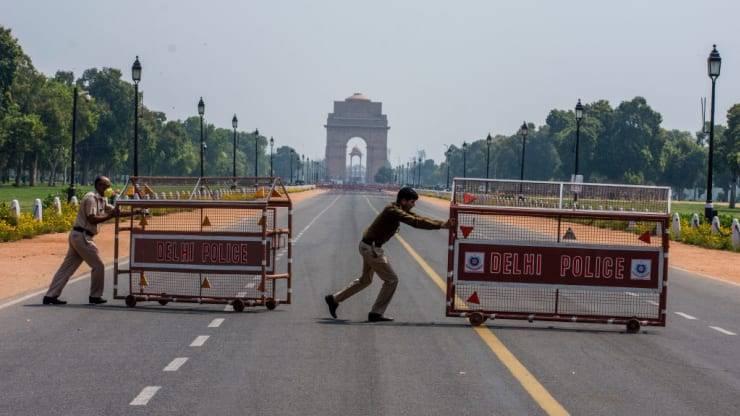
{"x": 356, "y": 116}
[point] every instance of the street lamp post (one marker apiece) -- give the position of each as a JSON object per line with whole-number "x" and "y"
{"x": 136, "y": 77}
{"x": 579, "y": 117}
{"x": 201, "y": 111}
{"x": 272, "y": 144}
{"x": 714, "y": 62}
{"x": 256, "y": 146}
{"x": 419, "y": 171}
{"x": 523, "y": 130}
{"x": 448, "y": 154}
{"x": 72, "y": 190}
{"x": 489, "y": 139}
{"x": 465, "y": 159}
{"x": 234, "y": 123}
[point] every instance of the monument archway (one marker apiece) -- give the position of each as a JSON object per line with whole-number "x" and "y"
{"x": 357, "y": 116}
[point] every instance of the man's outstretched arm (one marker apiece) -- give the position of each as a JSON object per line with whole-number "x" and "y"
{"x": 420, "y": 221}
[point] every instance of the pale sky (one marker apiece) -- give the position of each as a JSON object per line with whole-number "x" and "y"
{"x": 445, "y": 71}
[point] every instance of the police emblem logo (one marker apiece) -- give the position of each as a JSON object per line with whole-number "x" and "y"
{"x": 473, "y": 262}
{"x": 640, "y": 269}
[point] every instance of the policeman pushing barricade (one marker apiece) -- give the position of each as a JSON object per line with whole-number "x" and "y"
{"x": 374, "y": 261}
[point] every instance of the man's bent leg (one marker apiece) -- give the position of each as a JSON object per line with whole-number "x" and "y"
{"x": 390, "y": 282}
{"x": 356, "y": 285}
{"x": 89, "y": 252}
{"x": 68, "y": 267}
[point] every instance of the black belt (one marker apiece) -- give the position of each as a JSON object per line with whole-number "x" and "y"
{"x": 372, "y": 243}
{"x": 82, "y": 230}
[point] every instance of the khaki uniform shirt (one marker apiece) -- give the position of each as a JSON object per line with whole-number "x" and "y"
{"x": 387, "y": 222}
{"x": 92, "y": 204}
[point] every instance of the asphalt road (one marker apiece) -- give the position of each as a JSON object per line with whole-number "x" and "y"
{"x": 84, "y": 360}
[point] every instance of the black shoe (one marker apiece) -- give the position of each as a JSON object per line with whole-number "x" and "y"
{"x": 333, "y": 305}
{"x": 376, "y": 317}
{"x": 48, "y": 300}
{"x": 96, "y": 301}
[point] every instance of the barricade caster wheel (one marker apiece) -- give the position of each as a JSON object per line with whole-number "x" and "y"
{"x": 633, "y": 326}
{"x": 130, "y": 301}
{"x": 238, "y": 305}
{"x": 163, "y": 302}
{"x": 270, "y": 304}
{"x": 476, "y": 319}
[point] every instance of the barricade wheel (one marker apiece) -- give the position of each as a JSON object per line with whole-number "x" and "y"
{"x": 270, "y": 304}
{"x": 476, "y": 319}
{"x": 130, "y": 301}
{"x": 163, "y": 302}
{"x": 633, "y": 326}
{"x": 238, "y": 305}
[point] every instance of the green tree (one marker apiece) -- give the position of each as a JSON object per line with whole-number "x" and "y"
{"x": 728, "y": 150}
{"x": 682, "y": 160}
{"x": 384, "y": 175}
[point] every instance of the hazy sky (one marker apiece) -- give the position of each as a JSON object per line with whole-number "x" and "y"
{"x": 445, "y": 71}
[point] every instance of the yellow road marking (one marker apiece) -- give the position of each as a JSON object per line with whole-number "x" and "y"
{"x": 536, "y": 390}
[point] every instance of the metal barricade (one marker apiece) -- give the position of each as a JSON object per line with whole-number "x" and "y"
{"x": 558, "y": 252}
{"x": 205, "y": 240}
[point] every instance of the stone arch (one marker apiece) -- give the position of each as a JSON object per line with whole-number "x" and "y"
{"x": 357, "y": 116}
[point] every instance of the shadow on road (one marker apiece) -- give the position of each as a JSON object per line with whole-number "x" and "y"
{"x": 154, "y": 309}
{"x": 347, "y": 322}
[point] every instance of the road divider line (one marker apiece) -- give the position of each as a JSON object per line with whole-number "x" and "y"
{"x": 175, "y": 364}
{"x": 685, "y": 315}
{"x": 652, "y": 302}
{"x": 722, "y": 330}
{"x": 199, "y": 340}
{"x": 216, "y": 323}
{"x": 527, "y": 380}
{"x": 146, "y": 394}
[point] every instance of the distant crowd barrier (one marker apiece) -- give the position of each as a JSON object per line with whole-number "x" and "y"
{"x": 359, "y": 187}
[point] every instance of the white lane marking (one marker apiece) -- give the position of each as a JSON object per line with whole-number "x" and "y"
{"x": 241, "y": 294}
{"x": 685, "y": 315}
{"x": 199, "y": 340}
{"x": 652, "y": 302}
{"x": 175, "y": 364}
{"x": 43, "y": 291}
{"x": 216, "y": 323}
{"x": 146, "y": 394}
{"x": 295, "y": 240}
{"x": 228, "y": 308}
{"x": 722, "y": 330}
{"x": 250, "y": 285}
{"x": 631, "y": 293}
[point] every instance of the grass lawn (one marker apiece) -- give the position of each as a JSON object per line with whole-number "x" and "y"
{"x": 27, "y": 194}
{"x": 690, "y": 207}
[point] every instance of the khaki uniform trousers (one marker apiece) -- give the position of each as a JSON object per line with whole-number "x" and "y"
{"x": 81, "y": 248}
{"x": 373, "y": 261}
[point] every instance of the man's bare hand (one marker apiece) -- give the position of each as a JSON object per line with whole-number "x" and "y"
{"x": 450, "y": 223}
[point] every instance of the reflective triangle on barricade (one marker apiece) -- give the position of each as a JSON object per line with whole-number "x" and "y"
{"x": 468, "y": 198}
{"x": 474, "y": 298}
{"x": 466, "y": 230}
{"x": 569, "y": 234}
{"x": 645, "y": 237}
{"x": 142, "y": 281}
{"x": 205, "y": 284}
{"x": 206, "y": 222}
